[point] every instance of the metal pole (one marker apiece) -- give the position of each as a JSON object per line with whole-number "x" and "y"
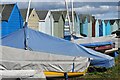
{"x": 73, "y": 26}
{"x": 28, "y": 11}
{"x": 25, "y": 25}
{"x": 66, "y": 4}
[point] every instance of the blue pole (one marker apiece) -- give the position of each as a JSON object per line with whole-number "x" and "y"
{"x": 25, "y": 35}
{"x": 73, "y": 67}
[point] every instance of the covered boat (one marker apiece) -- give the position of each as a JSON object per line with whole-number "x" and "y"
{"x": 37, "y": 41}
{"x": 97, "y": 43}
{"x": 33, "y": 63}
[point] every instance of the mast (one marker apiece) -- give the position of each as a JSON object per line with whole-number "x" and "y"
{"x": 25, "y": 25}
{"x": 73, "y": 17}
{"x": 28, "y": 11}
{"x": 72, "y": 29}
{"x": 73, "y": 24}
{"x": 66, "y": 4}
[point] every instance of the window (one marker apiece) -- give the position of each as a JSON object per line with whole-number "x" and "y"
{"x": 33, "y": 15}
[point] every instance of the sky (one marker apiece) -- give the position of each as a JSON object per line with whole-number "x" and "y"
{"x": 107, "y": 9}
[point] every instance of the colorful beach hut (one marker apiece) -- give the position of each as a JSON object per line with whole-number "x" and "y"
{"x": 11, "y": 19}
{"x": 97, "y": 28}
{"x": 107, "y": 28}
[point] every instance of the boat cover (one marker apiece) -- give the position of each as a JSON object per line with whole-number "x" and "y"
{"x": 96, "y": 41}
{"x": 37, "y": 41}
{"x": 96, "y": 44}
{"x": 19, "y": 59}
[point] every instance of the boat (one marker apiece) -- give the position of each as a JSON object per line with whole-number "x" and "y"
{"x": 20, "y": 61}
{"x": 32, "y": 40}
{"x": 100, "y": 44}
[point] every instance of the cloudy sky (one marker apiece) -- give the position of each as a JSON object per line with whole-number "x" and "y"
{"x": 107, "y": 9}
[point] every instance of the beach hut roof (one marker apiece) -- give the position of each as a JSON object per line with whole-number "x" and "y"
{"x": 56, "y": 15}
{"x": 93, "y": 18}
{"x": 64, "y": 13}
{"x": 24, "y": 13}
{"x": 83, "y": 17}
{"x": 70, "y": 15}
{"x": 6, "y": 11}
{"x": 42, "y": 14}
{"x": 100, "y": 21}
{"x": 112, "y": 22}
{"x": 106, "y": 21}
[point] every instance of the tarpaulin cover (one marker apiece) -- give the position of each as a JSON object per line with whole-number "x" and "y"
{"x": 20, "y": 59}
{"x": 94, "y": 40}
{"x": 21, "y": 74}
{"x": 95, "y": 44}
{"x": 38, "y": 41}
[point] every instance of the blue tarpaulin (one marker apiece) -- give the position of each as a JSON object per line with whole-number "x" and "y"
{"x": 38, "y": 41}
{"x": 95, "y": 44}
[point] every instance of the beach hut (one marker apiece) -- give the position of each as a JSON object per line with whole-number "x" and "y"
{"x": 85, "y": 26}
{"x": 104, "y": 28}
{"x": 106, "y": 21}
{"x": 90, "y": 21}
{"x": 58, "y": 29}
{"x": 100, "y": 28}
{"x": 85, "y": 21}
{"x": 81, "y": 23}
{"x": 41, "y": 20}
{"x": 107, "y": 27}
{"x": 11, "y": 19}
{"x": 33, "y": 20}
{"x": 114, "y": 25}
{"x": 97, "y": 28}
{"x": 46, "y": 22}
{"x": 74, "y": 28}
{"x": 77, "y": 25}
{"x": 118, "y": 23}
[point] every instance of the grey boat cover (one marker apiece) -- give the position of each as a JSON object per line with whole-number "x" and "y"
{"x": 92, "y": 40}
{"x": 19, "y": 59}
